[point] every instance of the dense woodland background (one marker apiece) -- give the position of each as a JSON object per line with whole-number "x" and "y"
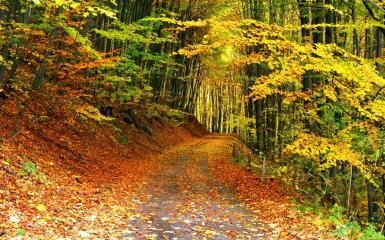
{"x": 301, "y": 81}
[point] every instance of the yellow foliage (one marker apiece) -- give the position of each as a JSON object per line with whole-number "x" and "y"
{"x": 93, "y": 113}
{"x": 343, "y": 83}
{"x": 327, "y": 153}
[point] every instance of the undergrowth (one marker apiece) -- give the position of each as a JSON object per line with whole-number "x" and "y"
{"x": 159, "y": 112}
{"x": 335, "y": 217}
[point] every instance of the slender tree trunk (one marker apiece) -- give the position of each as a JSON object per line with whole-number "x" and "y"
{"x": 329, "y": 19}
{"x": 37, "y": 83}
{"x": 356, "y": 40}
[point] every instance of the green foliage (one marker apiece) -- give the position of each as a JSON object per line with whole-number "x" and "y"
{"x": 128, "y": 80}
{"x": 175, "y": 115}
{"x": 20, "y": 233}
{"x": 29, "y": 168}
{"x": 153, "y": 113}
{"x": 347, "y": 230}
{"x": 122, "y": 139}
{"x": 242, "y": 122}
{"x": 335, "y": 216}
{"x": 98, "y": 9}
{"x": 84, "y": 42}
{"x": 352, "y": 230}
{"x": 371, "y": 233}
{"x": 158, "y": 112}
{"x": 113, "y": 126}
{"x": 313, "y": 205}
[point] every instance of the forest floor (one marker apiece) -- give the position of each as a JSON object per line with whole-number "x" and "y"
{"x": 201, "y": 194}
{"x": 62, "y": 178}
{"x": 197, "y": 192}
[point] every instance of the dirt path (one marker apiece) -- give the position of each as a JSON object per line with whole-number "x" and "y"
{"x": 186, "y": 201}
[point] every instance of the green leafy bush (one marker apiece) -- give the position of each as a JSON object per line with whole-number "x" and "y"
{"x": 370, "y": 233}
{"x": 28, "y": 168}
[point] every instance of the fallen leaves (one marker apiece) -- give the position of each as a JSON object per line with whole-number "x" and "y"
{"x": 78, "y": 190}
{"x": 110, "y": 191}
{"x": 267, "y": 199}
{"x": 186, "y": 201}
{"x": 41, "y": 207}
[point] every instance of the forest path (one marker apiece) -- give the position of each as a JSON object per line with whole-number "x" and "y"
{"x": 186, "y": 200}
